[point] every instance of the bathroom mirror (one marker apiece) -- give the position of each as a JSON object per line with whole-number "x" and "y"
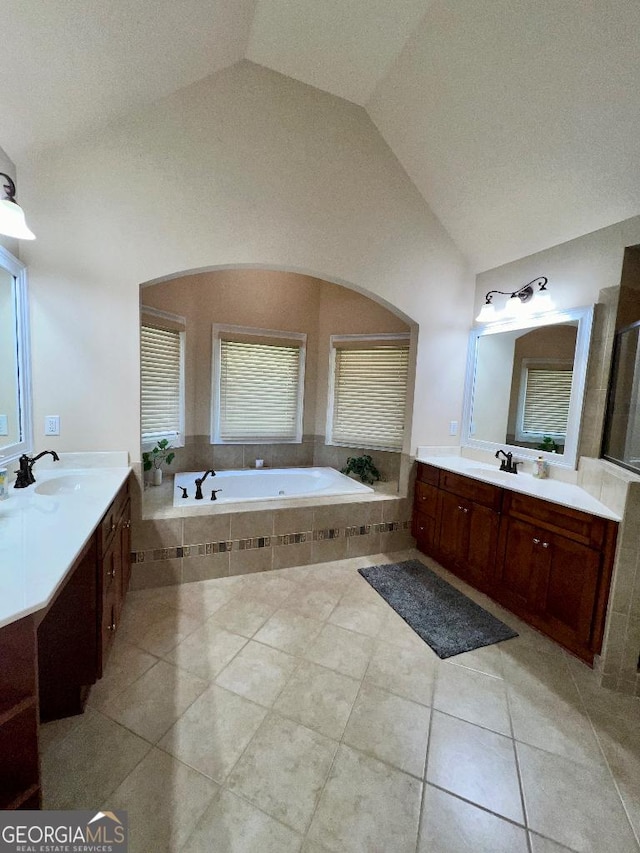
{"x": 525, "y": 385}
{"x": 15, "y": 392}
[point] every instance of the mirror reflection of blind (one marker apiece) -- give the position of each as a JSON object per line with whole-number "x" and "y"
{"x": 369, "y": 397}
{"x": 259, "y": 391}
{"x": 547, "y": 398}
{"x": 160, "y": 357}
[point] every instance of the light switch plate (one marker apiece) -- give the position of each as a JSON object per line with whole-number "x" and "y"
{"x": 453, "y": 427}
{"x": 52, "y": 424}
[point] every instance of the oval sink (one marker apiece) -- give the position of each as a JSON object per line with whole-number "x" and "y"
{"x": 67, "y": 484}
{"x": 496, "y": 476}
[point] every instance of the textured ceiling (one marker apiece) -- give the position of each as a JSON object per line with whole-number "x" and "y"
{"x": 518, "y": 121}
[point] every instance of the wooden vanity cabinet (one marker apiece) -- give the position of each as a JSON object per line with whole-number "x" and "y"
{"x": 114, "y": 571}
{"x": 425, "y": 509}
{"x": 549, "y": 564}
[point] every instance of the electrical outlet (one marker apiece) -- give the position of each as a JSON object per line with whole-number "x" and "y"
{"x": 453, "y": 427}
{"x": 52, "y": 425}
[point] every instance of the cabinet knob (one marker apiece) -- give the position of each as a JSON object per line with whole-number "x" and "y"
{"x": 111, "y": 627}
{"x": 111, "y": 573}
{"x": 421, "y": 528}
{"x": 113, "y": 526}
{"x": 536, "y": 541}
{"x": 545, "y": 544}
{"x": 127, "y": 524}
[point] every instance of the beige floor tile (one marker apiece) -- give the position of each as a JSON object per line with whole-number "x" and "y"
{"x": 408, "y": 672}
{"x": 341, "y": 650}
{"x": 165, "y": 634}
{"x": 142, "y": 613}
{"x": 289, "y": 631}
{"x": 283, "y": 771}
{"x": 232, "y": 825}
{"x": 317, "y": 602}
{"x": 364, "y": 618}
{"x": 164, "y": 800}
{"x": 396, "y": 631}
{"x": 390, "y": 728}
{"x": 472, "y": 696}
{"x": 258, "y": 673}
{"x": 200, "y": 599}
{"x": 476, "y": 764}
{"x": 449, "y": 825}
{"x": 126, "y": 663}
{"x": 207, "y": 651}
{"x": 244, "y": 615}
{"x": 554, "y": 722}
{"x": 152, "y": 704}
{"x": 487, "y": 660}
{"x": 544, "y": 845}
{"x": 53, "y": 733}
{"x": 573, "y": 804}
{"x": 271, "y": 587}
{"x": 212, "y": 734}
{"x": 367, "y": 806}
{"x": 318, "y": 698}
{"x": 83, "y": 768}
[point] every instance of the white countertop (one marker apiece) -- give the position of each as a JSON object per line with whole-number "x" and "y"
{"x": 555, "y": 491}
{"x": 41, "y": 535}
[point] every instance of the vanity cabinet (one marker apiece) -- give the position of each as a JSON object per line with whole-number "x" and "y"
{"x": 50, "y": 659}
{"x": 549, "y": 564}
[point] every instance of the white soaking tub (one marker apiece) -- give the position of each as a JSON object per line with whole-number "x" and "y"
{"x": 264, "y": 484}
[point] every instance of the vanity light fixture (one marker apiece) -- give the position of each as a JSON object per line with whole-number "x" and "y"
{"x": 488, "y": 312}
{"x": 12, "y": 219}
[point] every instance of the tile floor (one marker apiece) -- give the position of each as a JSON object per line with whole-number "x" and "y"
{"x": 295, "y": 711}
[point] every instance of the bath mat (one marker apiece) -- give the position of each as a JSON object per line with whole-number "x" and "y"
{"x": 442, "y": 616}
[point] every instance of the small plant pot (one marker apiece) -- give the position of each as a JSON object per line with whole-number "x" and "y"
{"x": 156, "y": 477}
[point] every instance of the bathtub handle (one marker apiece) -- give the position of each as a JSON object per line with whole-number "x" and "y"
{"x": 184, "y": 491}
{"x": 214, "y": 493}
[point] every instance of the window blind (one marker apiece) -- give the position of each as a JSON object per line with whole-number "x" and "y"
{"x": 260, "y": 395}
{"x": 161, "y": 386}
{"x": 546, "y": 404}
{"x": 369, "y": 396}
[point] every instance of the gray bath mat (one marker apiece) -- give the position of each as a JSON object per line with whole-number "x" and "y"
{"x": 442, "y": 616}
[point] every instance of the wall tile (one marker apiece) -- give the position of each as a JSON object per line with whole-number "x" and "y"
{"x": 156, "y": 573}
{"x": 228, "y": 457}
{"x": 293, "y": 520}
{"x": 207, "y": 528}
{"x": 360, "y": 546}
{"x": 251, "y": 452}
{"x": 247, "y": 562}
{"x": 251, "y": 524}
{"x": 292, "y": 555}
{"x": 156, "y": 533}
{"x": 205, "y": 568}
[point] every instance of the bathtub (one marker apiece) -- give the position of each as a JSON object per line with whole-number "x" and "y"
{"x": 265, "y": 484}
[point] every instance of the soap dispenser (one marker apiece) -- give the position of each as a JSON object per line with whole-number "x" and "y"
{"x": 540, "y": 468}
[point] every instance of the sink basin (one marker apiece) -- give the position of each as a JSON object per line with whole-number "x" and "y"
{"x": 68, "y": 484}
{"x": 496, "y": 476}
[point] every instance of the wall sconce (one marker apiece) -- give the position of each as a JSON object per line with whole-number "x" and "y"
{"x": 489, "y": 313}
{"x": 12, "y": 220}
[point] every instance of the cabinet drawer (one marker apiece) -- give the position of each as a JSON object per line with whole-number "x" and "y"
{"x": 580, "y": 526}
{"x": 426, "y": 499}
{"x": 427, "y": 474}
{"x": 109, "y": 523}
{"x": 474, "y": 490}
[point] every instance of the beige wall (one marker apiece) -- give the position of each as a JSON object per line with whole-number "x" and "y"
{"x": 269, "y": 300}
{"x": 247, "y": 167}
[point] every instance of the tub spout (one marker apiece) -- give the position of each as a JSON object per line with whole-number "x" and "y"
{"x": 200, "y": 481}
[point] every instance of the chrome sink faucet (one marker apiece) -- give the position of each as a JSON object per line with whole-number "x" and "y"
{"x": 200, "y": 480}
{"x": 507, "y": 463}
{"x": 25, "y": 473}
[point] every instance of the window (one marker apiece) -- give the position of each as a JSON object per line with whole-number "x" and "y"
{"x": 368, "y": 391}
{"x": 162, "y": 382}
{"x": 258, "y": 385}
{"x": 545, "y": 394}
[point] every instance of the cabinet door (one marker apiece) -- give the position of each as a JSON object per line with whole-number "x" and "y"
{"x": 125, "y": 553}
{"x": 482, "y": 541}
{"x": 454, "y": 532}
{"x": 566, "y": 590}
{"x": 424, "y": 532}
{"x": 516, "y": 576}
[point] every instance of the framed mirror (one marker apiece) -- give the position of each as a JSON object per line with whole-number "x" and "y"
{"x": 15, "y": 385}
{"x": 525, "y": 385}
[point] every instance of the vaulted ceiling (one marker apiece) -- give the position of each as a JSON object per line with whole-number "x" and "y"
{"x": 517, "y": 120}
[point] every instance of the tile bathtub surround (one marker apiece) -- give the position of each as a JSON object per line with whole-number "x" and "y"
{"x": 294, "y": 711}
{"x": 201, "y": 546}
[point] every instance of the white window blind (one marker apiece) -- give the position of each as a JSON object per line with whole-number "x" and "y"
{"x": 260, "y": 391}
{"x": 546, "y": 402}
{"x": 369, "y": 396}
{"x": 161, "y": 382}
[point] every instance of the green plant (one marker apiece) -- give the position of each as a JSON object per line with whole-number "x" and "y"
{"x": 548, "y": 444}
{"x": 362, "y": 466}
{"x": 162, "y": 452}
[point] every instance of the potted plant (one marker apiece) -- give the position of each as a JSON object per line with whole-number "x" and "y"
{"x": 153, "y": 459}
{"x": 363, "y": 467}
{"x": 548, "y": 444}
